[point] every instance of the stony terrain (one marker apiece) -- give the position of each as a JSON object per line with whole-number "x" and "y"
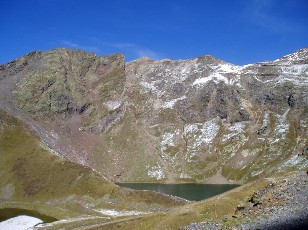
{"x": 282, "y": 204}
{"x": 200, "y": 120}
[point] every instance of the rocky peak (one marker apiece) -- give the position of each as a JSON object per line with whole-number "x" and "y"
{"x": 298, "y": 57}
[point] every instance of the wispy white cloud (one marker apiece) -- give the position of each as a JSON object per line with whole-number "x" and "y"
{"x": 74, "y": 45}
{"x": 131, "y": 50}
{"x": 262, "y": 13}
{"x": 142, "y": 52}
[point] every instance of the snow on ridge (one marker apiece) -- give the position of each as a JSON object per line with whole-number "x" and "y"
{"x": 293, "y": 56}
{"x": 228, "y": 68}
{"x": 296, "y": 74}
{"x": 295, "y": 69}
{"x": 218, "y": 75}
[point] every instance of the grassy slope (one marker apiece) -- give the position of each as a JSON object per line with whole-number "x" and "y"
{"x": 33, "y": 178}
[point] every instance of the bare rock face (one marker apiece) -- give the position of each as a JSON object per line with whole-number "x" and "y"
{"x": 63, "y": 83}
{"x": 189, "y": 120}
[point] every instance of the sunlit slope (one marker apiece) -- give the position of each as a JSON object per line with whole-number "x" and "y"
{"x": 34, "y": 178}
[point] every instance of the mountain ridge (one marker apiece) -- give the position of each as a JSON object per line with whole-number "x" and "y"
{"x": 182, "y": 120}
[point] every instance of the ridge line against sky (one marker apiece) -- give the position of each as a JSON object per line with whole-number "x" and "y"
{"x": 238, "y": 31}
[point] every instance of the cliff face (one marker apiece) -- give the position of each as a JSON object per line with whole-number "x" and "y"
{"x": 190, "y": 120}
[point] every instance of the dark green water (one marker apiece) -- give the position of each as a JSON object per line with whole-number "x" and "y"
{"x": 7, "y": 213}
{"x": 187, "y": 191}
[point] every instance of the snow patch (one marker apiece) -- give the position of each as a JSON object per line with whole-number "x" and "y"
{"x": 295, "y": 74}
{"x": 113, "y": 105}
{"x": 184, "y": 176}
{"x": 291, "y": 161}
{"x": 156, "y": 172}
{"x": 249, "y": 152}
{"x": 200, "y": 136}
{"x": 266, "y": 119}
{"x": 281, "y": 127}
{"x": 151, "y": 87}
{"x": 255, "y": 173}
{"x": 235, "y": 129}
{"x": 113, "y": 212}
{"x": 168, "y": 140}
{"x": 208, "y": 132}
{"x": 170, "y": 104}
{"x": 190, "y": 129}
{"x": 20, "y": 223}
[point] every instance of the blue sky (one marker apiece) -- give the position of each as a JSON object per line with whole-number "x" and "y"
{"x": 239, "y": 31}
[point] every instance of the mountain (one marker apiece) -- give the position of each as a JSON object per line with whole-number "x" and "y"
{"x": 197, "y": 120}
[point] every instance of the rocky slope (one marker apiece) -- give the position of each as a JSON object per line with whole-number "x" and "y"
{"x": 201, "y": 119}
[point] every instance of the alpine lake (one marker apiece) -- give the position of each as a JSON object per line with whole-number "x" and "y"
{"x": 189, "y": 191}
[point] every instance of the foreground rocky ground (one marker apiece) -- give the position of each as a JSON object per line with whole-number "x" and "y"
{"x": 280, "y": 205}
